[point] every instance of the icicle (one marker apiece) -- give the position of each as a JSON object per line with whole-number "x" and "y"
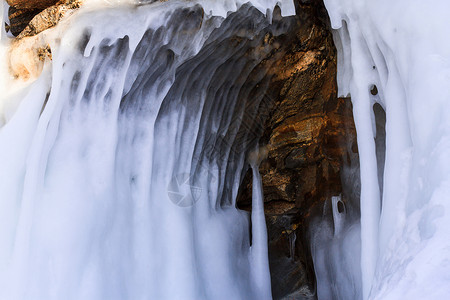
{"x": 292, "y": 239}
{"x": 259, "y": 249}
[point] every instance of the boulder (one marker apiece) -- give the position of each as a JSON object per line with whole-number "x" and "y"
{"x": 20, "y": 18}
{"x": 49, "y": 17}
{"x": 28, "y": 19}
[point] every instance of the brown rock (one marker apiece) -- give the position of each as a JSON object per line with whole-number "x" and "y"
{"x": 19, "y": 19}
{"x": 31, "y": 4}
{"x": 48, "y": 18}
{"x": 27, "y": 20}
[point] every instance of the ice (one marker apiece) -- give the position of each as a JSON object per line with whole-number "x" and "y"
{"x": 401, "y": 47}
{"x": 259, "y": 249}
{"x": 126, "y": 106}
{"x": 335, "y": 248}
{"x": 108, "y": 187}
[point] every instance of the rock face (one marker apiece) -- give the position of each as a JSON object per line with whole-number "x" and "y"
{"x": 31, "y": 4}
{"x": 310, "y": 136}
{"x": 28, "y": 18}
{"x": 19, "y": 18}
{"x": 30, "y": 49}
{"x": 49, "y": 17}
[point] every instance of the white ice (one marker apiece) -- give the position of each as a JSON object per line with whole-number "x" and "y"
{"x": 403, "y": 48}
{"x": 86, "y": 181}
{"x": 59, "y": 248}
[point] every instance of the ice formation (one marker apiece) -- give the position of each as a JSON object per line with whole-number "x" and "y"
{"x": 402, "y": 48}
{"x": 107, "y": 188}
{"x": 139, "y": 210}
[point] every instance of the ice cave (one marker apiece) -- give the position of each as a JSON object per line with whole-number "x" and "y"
{"x": 224, "y": 150}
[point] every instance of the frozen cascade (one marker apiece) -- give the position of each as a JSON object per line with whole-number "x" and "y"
{"x": 402, "y": 48}
{"x": 121, "y": 163}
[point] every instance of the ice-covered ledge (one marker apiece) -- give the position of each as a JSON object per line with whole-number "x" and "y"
{"x": 32, "y": 47}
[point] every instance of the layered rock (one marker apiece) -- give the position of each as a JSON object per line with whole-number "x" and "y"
{"x": 28, "y": 18}
{"x": 49, "y": 17}
{"x": 21, "y": 12}
{"x": 20, "y": 18}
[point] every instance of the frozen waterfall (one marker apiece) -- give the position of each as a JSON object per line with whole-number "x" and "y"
{"x": 120, "y": 164}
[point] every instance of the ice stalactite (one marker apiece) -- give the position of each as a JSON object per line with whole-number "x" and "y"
{"x": 401, "y": 48}
{"x": 121, "y": 164}
{"x": 259, "y": 249}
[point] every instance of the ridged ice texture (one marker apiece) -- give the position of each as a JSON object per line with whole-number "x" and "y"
{"x": 402, "y": 47}
{"x": 121, "y": 165}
